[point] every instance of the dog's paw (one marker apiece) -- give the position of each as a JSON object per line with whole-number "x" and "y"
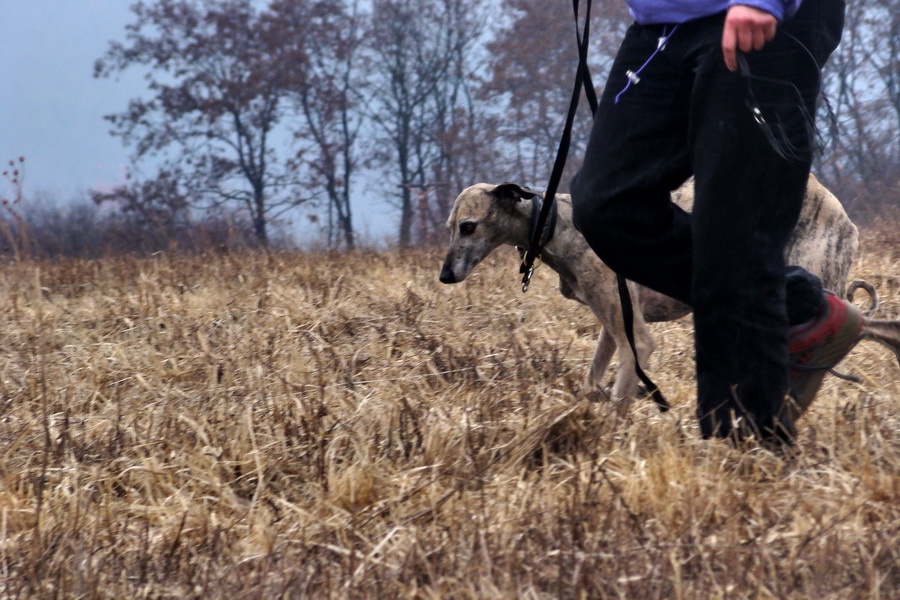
{"x": 598, "y": 395}
{"x": 603, "y": 396}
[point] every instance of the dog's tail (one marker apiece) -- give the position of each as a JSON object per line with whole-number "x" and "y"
{"x": 885, "y": 332}
{"x": 869, "y": 288}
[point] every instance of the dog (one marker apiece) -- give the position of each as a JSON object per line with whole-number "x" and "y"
{"x": 486, "y": 216}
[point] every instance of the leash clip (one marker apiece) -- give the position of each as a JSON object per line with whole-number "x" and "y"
{"x": 527, "y": 270}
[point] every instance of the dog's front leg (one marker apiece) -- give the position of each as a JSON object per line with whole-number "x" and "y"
{"x": 626, "y": 382}
{"x": 603, "y": 354}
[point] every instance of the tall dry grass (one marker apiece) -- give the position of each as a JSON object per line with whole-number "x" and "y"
{"x": 345, "y": 426}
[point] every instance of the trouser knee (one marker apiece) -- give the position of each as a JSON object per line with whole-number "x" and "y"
{"x": 590, "y": 213}
{"x": 596, "y": 224}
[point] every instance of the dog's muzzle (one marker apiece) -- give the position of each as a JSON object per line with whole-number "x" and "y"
{"x": 447, "y": 275}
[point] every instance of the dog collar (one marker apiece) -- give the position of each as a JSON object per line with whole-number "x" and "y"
{"x": 539, "y": 236}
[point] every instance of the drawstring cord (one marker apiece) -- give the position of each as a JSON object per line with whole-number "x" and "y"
{"x": 634, "y": 76}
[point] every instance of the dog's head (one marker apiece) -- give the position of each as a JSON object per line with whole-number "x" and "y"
{"x": 483, "y": 217}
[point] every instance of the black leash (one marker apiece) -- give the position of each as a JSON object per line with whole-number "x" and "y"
{"x": 539, "y": 239}
{"x": 537, "y": 242}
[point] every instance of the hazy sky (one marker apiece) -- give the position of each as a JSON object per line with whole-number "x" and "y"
{"x": 51, "y": 107}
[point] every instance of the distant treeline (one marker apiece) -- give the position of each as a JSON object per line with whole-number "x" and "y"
{"x": 81, "y": 230}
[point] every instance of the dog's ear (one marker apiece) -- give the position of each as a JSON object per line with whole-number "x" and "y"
{"x": 513, "y": 192}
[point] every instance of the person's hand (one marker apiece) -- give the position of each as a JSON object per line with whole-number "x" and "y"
{"x": 746, "y": 28}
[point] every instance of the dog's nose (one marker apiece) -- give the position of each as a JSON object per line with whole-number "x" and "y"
{"x": 447, "y": 275}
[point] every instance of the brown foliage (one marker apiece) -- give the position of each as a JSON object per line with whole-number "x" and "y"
{"x": 430, "y": 135}
{"x": 269, "y": 105}
{"x": 533, "y": 62}
{"x": 218, "y": 76}
{"x": 329, "y": 94}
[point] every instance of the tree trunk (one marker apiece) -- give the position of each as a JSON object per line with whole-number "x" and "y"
{"x": 260, "y": 227}
{"x": 406, "y": 218}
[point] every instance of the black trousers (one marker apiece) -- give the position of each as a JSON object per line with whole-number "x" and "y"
{"x": 688, "y": 115}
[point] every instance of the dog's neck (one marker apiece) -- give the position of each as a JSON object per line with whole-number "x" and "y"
{"x": 565, "y": 242}
{"x": 525, "y": 223}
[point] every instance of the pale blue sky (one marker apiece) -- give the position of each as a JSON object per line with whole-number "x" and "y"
{"x": 51, "y": 107}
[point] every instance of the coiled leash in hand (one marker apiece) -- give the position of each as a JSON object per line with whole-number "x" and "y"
{"x": 540, "y": 236}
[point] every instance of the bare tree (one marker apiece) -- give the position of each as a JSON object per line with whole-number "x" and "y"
{"x": 534, "y": 56}
{"x": 419, "y": 47}
{"x": 329, "y": 94}
{"x": 217, "y": 76}
{"x": 466, "y": 148}
{"x": 158, "y": 208}
{"x": 863, "y": 84}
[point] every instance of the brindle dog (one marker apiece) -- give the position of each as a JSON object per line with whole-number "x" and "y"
{"x": 486, "y": 216}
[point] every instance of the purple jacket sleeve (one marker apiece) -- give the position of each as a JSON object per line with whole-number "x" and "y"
{"x": 649, "y": 12}
{"x": 780, "y": 9}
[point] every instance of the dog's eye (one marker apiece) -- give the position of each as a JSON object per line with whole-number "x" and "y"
{"x": 467, "y": 228}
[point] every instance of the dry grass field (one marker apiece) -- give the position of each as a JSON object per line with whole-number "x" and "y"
{"x": 331, "y": 426}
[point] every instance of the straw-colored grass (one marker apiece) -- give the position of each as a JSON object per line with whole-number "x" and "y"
{"x": 345, "y": 426}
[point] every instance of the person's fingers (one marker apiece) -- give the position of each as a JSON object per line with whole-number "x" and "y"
{"x": 745, "y": 36}
{"x": 729, "y": 48}
{"x": 746, "y": 28}
{"x": 759, "y": 39}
